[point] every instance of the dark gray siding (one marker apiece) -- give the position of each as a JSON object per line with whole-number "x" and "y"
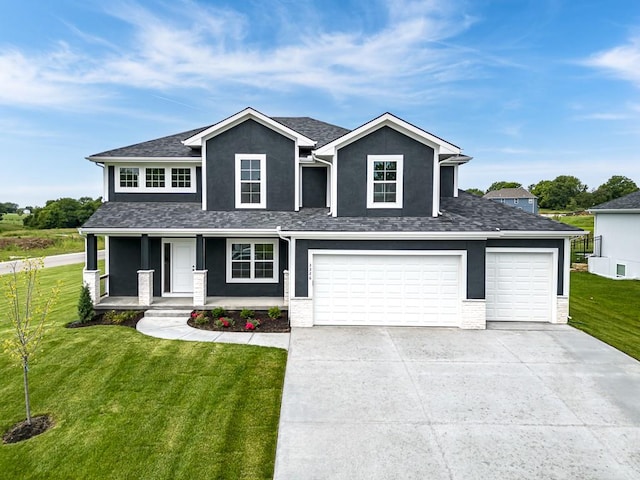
{"x": 154, "y": 197}
{"x": 475, "y": 257}
{"x": 314, "y": 187}
{"x": 124, "y": 263}
{"x": 446, "y": 181}
{"x": 352, "y": 174}
{"x": 250, "y": 137}
{"x": 215, "y": 261}
{"x": 559, "y": 244}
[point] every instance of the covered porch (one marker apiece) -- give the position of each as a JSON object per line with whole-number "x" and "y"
{"x": 228, "y": 303}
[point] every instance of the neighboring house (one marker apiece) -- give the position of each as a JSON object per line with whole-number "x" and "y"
{"x": 515, "y": 197}
{"x": 360, "y": 227}
{"x": 617, "y": 234}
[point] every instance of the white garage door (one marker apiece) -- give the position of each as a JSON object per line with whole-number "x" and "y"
{"x": 519, "y": 286}
{"x": 419, "y": 290}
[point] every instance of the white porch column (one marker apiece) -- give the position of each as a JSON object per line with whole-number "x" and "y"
{"x": 145, "y": 287}
{"x": 286, "y": 287}
{"x": 91, "y": 278}
{"x": 199, "y": 288}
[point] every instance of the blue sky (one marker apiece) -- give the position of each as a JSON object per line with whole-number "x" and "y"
{"x": 530, "y": 89}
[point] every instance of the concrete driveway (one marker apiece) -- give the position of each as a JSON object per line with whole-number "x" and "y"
{"x": 516, "y": 401}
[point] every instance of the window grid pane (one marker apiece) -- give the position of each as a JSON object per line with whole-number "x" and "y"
{"x": 181, "y": 177}
{"x": 384, "y": 181}
{"x": 250, "y": 174}
{"x": 155, "y": 177}
{"x": 129, "y": 177}
{"x": 253, "y": 260}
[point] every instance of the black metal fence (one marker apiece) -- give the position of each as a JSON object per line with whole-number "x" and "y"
{"x": 585, "y": 246}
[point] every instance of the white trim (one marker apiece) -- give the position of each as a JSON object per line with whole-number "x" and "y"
{"x": 436, "y": 182}
{"x": 554, "y": 267}
{"x": 114, "y": 160}
{"x": 334, "y": 187}
{"x": 263, "y": 179}
{"x": 596, "y": 211}
{"x": 204, "y": 176}
{"x": 142, "y": 188}
{"x": 455, "y": 181}
{"x": 399, "y": 160}
{"x": 105, "y": 183}
{"x": 297, "y": 178}
{"x": 566, "y": 275}
{"x": 248, "y": 113}
{"x": 292, "y": 268}
{"x": 107, "y": 256}
{"x": 462, "y": 266}
{"x": 253, "y": 241}
{"x": 171, "y": 241}
{"x": 388, "y": 120}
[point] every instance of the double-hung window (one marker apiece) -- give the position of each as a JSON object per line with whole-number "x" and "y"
{"x": 251, "y": 180}
{"x": 252, "y": 261}
{"x": 384, "y": 181}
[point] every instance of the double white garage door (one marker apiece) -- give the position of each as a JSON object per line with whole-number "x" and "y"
{"x": 350, "y": 288}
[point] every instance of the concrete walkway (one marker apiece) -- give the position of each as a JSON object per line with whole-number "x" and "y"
{"x": 174, "y": 329}
{"x": 516, "y": 401}
{"x": 52, "y": 261}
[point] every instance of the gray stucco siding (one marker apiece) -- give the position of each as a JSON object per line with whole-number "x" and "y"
{"x": 475, "y": 257}
{"x": 124, "y": 263}
{"x": 533, "y": 243}
{"x": 250, "y": 137}
{"x": 153, "y": 197}
{"x": 314, "y": 187}
{"x": 417, "y": 174}
{"x": 216, "y": 265}
{"x": 447, "y": 181}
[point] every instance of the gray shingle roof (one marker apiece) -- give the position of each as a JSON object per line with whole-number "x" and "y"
{"x": 510, "y": 193}
{"x": 171, "y": 146}
{"x": 630, "y": 201}
{"x": 467, "y": 213}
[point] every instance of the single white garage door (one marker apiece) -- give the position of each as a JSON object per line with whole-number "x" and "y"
{"x": 519, "y": 286}
{"x": 419, "y": 290}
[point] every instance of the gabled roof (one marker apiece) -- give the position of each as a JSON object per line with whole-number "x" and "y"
{"x": 628, "y": 202}
{"x": 246, "y": 114}
{"x": 388, "y": 120}
{"x": 173, "y": 146}
{"x": 465, "y": 214}
{"x": 509, "y": 193}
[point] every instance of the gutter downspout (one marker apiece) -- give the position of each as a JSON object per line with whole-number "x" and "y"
{"x": 291, "y": 264}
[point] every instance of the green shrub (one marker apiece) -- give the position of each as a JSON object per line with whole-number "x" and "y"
{"x": 274, "y": 312}
{"x": 118, "y": 318}
{"x": 85, "y": 305}
{"x": 218, "y": 312}
{"x": 247, "y": 313}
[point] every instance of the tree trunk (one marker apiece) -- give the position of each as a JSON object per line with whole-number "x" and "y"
{"x": 25, "y": 372}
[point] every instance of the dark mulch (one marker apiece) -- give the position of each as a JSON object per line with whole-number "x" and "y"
{"x": 267, "y": 325}
{"x": 23, "y": 431}
{"x": 99, "y": 319}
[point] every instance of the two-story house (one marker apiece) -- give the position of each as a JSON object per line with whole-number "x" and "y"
{"x": 350, "y": 227}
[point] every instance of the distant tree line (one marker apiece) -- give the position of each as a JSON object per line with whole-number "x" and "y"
{"x": 567, "y": 192}
{"x": 62, "y": 213}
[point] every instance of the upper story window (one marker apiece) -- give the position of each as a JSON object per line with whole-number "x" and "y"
{"x": 155, "y": 178}
{"x": 384, "y": 181}
{"x": 515, "y": 201}
{"x": 251, "y": 176}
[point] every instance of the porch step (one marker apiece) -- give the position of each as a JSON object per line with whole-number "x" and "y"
{"x": 167, "y": 313}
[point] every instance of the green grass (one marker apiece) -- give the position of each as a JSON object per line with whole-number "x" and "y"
{"x": 607, "y": 309}
{"x": 130, "y": 406}
{"x": 23, "y": 243}
{"x": 584, "y": 222}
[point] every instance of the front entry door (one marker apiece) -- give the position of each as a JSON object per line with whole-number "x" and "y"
{"x": 182, "y": 263}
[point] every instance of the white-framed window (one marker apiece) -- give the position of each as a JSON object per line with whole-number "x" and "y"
{"x": 531, "y": 201}
{"x": 515, "y": 201}
{"x": 251, "y": 260}
{"x": 155, "y": 178}
{"x": 384, "y": 181}
{"x": 621, "y": 270}
{"x": 251, "y": 180}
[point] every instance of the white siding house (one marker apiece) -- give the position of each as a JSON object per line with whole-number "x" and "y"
{"x": 617, "y": 223}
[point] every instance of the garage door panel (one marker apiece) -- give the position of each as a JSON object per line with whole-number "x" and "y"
{"x": 519, "y": 286}
{"x": 386, "y": 289}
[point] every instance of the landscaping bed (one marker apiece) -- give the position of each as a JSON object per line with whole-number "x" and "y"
{"x": 123, "y": 318}
{"x": 241, "y": 320}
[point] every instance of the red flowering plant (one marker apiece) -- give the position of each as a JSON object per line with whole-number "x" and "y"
{"x": 224, "y": 322}
{"x": 252, "y": 323}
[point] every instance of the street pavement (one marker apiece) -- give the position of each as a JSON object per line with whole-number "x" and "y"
{"x": 52, "y": 261}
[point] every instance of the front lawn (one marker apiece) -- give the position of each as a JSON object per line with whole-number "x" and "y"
{"x": 130, "y": 406}
{"x": 607, "y": 309}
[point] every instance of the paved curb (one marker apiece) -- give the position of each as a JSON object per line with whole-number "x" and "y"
{"x": 173, "y": 329}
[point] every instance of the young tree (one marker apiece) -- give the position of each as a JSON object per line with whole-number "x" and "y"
{"x": 475, "y": 191}
{"x": 28, "y": 309}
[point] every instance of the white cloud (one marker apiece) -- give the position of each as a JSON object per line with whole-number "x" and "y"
{"x": 189, "y": 45}
{"x": 622, "y": 61}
